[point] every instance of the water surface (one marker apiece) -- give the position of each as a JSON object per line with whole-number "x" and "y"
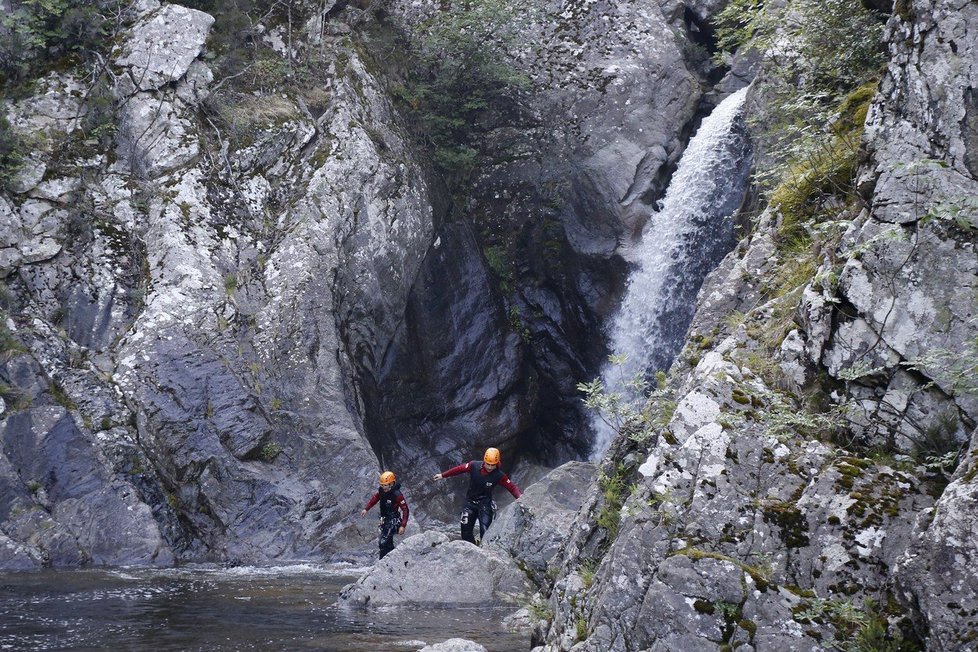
{"x": 212, "y": 608}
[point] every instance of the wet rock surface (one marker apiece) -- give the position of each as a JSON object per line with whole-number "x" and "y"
{"x": 430, "y": 569}
{"x": 533, "y": 529}
{"x": 454, "y": 645}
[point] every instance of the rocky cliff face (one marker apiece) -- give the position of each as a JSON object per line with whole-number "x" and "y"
{"x": 212, "y": 341}
{"x": 574, "y": 164}
{"x": 183, "y": 315}
{"x": 748, "y": 526}
{"x": 234, "y": 299}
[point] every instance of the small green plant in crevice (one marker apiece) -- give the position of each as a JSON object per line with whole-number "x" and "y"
{"x": 269, "y": 452}
{"x": 13, "y": 397}
{"x": 660, "y": 504}
{"x": 586, "y": 570}
{"x": 614, "y": 491}
{"x": 518, "y": 326}
{"x": 580, "y": 628}
{"x": 500, "y": 266}
{"x": 61, "y": 397}
{"x": 937, "y": 447}
{"x": 538, "y": 608}
{"x": 858, "y": 629}
{"x": 12, "y": 151}
{"x": 9, "y": 344}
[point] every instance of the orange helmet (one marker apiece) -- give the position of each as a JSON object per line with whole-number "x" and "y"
{"x": 491, "y": 456}
{"x": 387, "y": 477}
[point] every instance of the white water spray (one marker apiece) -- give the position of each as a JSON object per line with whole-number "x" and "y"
{"x": 683, "y": 241}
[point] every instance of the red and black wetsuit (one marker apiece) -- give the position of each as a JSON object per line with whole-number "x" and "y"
{"x": 478, "y": 499}
{"x": 393, "y": 514}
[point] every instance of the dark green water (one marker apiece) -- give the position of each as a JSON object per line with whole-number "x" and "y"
{"x": 209, "y": 608}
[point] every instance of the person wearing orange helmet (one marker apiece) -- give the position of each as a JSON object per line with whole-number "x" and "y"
{"x": 393, "y": 510}
{"x": 483, "y": 478}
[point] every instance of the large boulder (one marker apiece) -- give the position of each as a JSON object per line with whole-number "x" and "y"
{"x": 533, "y": 529}
{"x": 429, "y": 569}
{"x": 454, "y": 645}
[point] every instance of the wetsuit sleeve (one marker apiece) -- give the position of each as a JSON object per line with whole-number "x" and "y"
{"x": 456, "y": 470}
{"x": 373, "y": 501}
{"x": 403, "y": 506}
{"x": 511, "y": 486}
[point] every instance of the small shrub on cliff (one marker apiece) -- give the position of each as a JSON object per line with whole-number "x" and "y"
{"x": 34, "y": 34}
{"x": 460, "y": 74}
{"x": 11, "y": 151}
{"x": 817, "y": 53}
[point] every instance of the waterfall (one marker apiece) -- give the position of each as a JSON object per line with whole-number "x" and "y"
{"x": 683, "y": 241}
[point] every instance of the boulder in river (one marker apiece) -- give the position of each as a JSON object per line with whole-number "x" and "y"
{"x": 430, "y": 569}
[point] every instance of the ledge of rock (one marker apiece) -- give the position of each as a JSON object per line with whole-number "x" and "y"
{"x": 430, "y": 569}
{"x": 454, "y": 645}
{"x": 533, "y": 529}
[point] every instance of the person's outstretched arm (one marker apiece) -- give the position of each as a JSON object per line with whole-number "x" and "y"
{"x": 455, "y": 470}
{"x": 370, "y": 503}
{"x": 511, "y": 486}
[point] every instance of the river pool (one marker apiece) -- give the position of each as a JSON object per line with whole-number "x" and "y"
{"x": 214, "y": 608}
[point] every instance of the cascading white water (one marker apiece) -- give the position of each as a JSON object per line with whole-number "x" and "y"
{"x": 683, "y": 241}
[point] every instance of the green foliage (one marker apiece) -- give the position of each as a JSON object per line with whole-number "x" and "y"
{"x": 8, "y": 341}
{"x": 587, "y": 570}
{"x": 614, "y": 490}
{"x": 36, "y": 33}
{"x": 822, "y": 166}
{"x": 823, "y": 59}
{"x": 12, "y": 148}
{"x": 626, "y": 411}
{"x": 500, "y": 266}
{"x": 858, "y": 629}
{"x": 821, "y": 47}
{"x": 926, "y": 178}
{"x": 782, "y": 418}
{"x": 960, "y": 368}
{"x": 539, "y": 608}
{"x": 461, "y": 74}
{"x": 61, "y": 397}
{"x": 580, "y": 628}
{"x": 269, "y": 451}
{"x": 13, "y": 397}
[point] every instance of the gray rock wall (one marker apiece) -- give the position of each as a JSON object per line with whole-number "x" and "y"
{"x": 215, "y": 307}
{"x": 574, "y": 163}
{"x": 749, "y": 525}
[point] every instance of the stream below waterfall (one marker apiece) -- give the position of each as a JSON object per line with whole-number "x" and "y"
{"x": 215, "y": 608}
